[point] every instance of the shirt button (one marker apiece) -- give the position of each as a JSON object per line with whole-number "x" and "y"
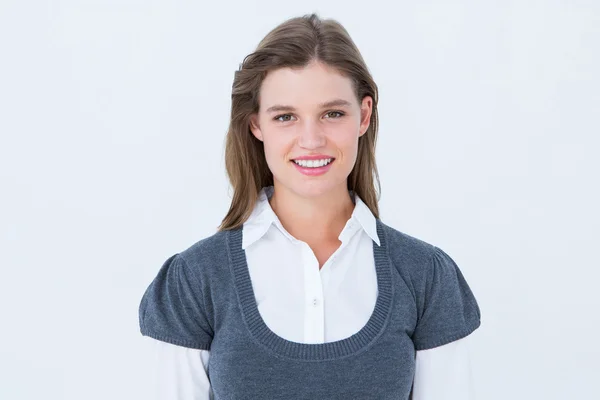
{"x": 315, "y": 302}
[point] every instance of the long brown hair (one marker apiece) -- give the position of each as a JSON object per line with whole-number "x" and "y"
{"x": 294, "y": 43}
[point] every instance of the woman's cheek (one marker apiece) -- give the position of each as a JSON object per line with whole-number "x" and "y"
{"x": 275, "y": 149}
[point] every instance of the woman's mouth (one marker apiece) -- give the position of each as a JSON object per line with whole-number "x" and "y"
{"x": 313, "y": 167}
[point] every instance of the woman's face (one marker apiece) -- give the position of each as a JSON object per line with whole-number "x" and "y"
{"x": 310, "y": 112}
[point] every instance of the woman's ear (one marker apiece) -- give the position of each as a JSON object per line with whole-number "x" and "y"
{"x": 366, "y": 109}
{"x": 254, "y": 127}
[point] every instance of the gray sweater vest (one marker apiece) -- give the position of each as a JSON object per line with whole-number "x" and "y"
{"x": 202, "y": 298}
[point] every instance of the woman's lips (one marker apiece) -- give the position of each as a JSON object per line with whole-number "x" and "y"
{"x": 315, "y": 171}
{"x": 314, "y": 157}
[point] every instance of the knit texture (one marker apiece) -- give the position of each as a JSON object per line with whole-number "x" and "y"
{"x": 202, "y": 298}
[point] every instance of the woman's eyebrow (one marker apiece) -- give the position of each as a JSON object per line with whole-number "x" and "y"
{"x": 332, "y": 103}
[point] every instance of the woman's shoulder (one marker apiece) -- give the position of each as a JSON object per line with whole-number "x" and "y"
{"x": 415, "y": 255}
{"x": 211, "y": 251}
{"x": 402, "y": 244}
{"x": 424, "y": 262}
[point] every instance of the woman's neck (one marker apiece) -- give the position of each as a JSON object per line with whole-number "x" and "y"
{"x": 312, "y": 219}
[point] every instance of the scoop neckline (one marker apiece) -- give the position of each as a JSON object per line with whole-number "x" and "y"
{"x": 311, "y": 351}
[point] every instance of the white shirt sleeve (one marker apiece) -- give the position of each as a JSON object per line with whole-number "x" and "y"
{"x": 444, "y": 372}
{"x": 181, "y": 373}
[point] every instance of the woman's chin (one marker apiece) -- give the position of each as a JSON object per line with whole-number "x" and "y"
{"x": 317, "y": 188}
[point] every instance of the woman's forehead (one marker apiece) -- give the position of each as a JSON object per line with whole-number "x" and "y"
{"x": 308, "y": 87}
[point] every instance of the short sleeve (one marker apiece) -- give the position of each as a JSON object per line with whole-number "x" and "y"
{"x": 172, "y": 308}
{"x": 449, "y": 310}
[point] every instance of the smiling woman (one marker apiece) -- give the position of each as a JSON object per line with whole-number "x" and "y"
{"x": 305, "y": 91}
{"x": 304, "y": 292}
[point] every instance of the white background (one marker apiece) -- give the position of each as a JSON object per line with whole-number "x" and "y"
{"x": 112, "y": 120}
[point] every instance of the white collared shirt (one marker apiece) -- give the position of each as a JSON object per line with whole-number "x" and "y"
{"x": 305, "y": 304}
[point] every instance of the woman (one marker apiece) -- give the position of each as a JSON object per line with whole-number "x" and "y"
{"x": 304, "y": 292}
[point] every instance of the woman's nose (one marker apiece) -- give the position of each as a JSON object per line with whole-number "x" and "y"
{"x": 311, "y": 135}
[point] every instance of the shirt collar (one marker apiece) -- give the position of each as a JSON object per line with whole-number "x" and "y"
{"x": 262, "y": 216}
{"x": 260, "y": 220}
{"x": 365, "y": 218}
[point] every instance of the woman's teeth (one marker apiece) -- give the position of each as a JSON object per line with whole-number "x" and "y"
{"x": 313, "y": 163}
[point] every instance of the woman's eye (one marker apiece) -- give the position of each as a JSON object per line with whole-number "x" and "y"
{"x": 340, "y": 114}
{"x": 278, "y": 118}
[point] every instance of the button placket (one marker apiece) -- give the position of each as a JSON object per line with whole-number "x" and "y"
{"x": 313, "y": 318}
